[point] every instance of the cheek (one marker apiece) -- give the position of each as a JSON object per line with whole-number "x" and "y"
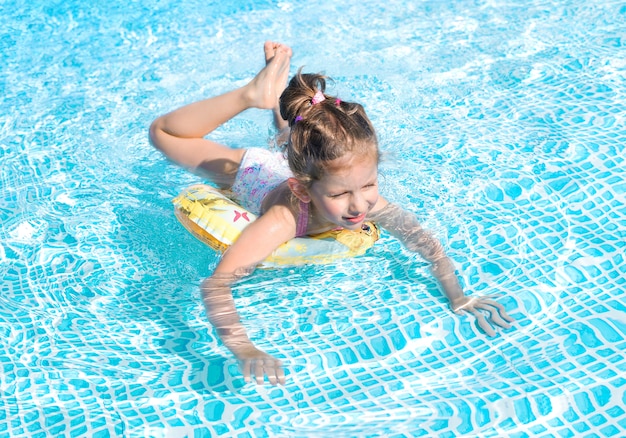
{"x": 331, "y": 208}
{"x": 372, "y": 197}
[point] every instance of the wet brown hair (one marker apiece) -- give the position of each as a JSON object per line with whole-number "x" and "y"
{"x": 324, "y": 131}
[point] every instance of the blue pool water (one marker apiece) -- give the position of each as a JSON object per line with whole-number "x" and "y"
{"x": 503, "y": 128}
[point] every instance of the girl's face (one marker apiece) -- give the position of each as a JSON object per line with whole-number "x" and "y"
{"x": 347, "y": 192}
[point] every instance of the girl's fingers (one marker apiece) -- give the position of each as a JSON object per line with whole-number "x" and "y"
{"x": 259, "y": 368}
{"x": 483, "y": 324}
{"x": 258, "y": 371}
{"x": 499, "y": 309}
{"x": 245, "y": 370}
{"x": 497, "y": 320}
{"x": 275, "y": 373}
{"x": 280, "y": 374}
{"x": 497, "y": 314}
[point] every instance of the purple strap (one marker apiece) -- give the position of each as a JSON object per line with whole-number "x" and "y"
{"x": 303, "y": 219}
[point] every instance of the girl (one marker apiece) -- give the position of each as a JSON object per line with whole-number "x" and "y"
{"x": 328, "y": 180}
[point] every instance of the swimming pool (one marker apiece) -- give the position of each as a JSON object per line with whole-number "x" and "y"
{"x": 503, "y": 127}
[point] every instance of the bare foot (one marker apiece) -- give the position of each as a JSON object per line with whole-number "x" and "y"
{"x": 266, "y": 87}
{"x": 270, "y": 48}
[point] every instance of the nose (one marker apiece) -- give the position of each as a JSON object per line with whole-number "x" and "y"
{"x": 358, "y": 204}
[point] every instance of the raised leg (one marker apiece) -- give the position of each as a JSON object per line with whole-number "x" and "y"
{"x": 180, "y": 134}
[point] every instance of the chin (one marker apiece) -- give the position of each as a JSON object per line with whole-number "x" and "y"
{"x": 353, "y": 227}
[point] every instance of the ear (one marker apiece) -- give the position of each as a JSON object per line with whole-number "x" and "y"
{"x": 298, "y": 189}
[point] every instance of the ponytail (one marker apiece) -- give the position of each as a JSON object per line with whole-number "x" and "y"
{"x": 323, "y": 128}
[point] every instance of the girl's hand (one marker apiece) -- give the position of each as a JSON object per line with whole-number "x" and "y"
{"x": 474, "y": 305}
{"x": 260, "y": 364}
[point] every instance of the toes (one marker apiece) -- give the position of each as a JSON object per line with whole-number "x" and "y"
{"x": 284, "y": 48}
{"x": 269, "y": 48}
{"x": 272, "y": 48}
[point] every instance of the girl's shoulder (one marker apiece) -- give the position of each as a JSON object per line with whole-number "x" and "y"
{"x": 283, "y": 197}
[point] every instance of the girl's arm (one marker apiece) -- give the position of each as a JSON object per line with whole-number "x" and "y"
{"x": 256, "y": 243}
{"x": 404, "y": 226}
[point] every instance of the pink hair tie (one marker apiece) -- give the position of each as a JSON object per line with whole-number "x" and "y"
{"x": 319, "y": 97}
{"x": 338, "y": 102}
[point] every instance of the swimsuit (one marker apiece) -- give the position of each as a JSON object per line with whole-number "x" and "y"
{"x": 260, "y": 172}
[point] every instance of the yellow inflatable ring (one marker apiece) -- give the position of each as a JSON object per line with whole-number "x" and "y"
{"x": 217, "y": 221}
